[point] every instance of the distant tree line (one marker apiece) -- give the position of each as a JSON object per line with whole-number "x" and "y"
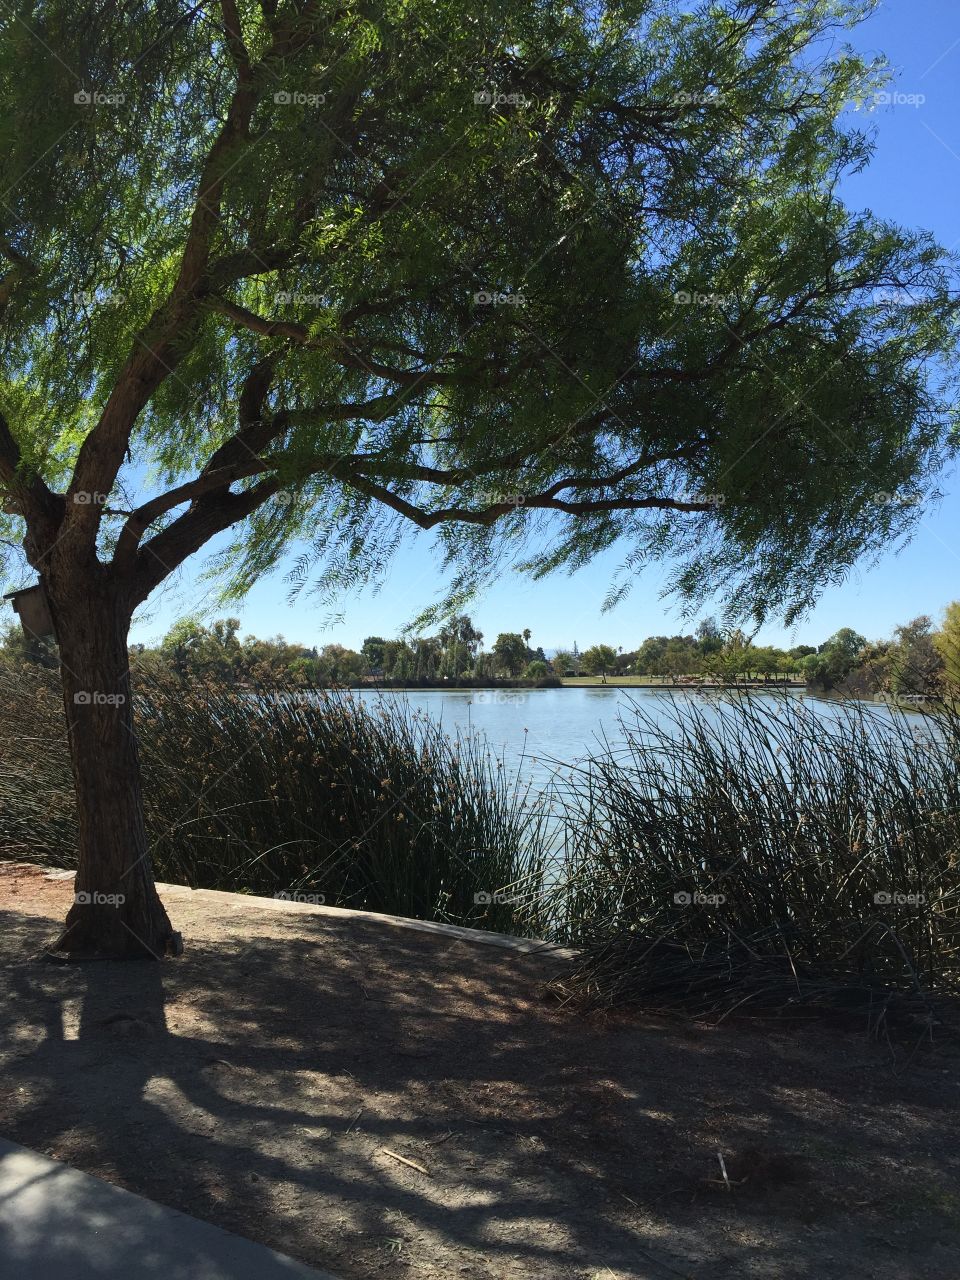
{"x": 918, "y": 659}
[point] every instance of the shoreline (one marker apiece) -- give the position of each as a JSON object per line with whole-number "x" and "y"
{"x": 574, "y": 682}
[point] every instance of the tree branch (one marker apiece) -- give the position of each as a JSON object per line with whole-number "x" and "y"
{"x": 207, "y": 517}
{"x": 42, "y": 509}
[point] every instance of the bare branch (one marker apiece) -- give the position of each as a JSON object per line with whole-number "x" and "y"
{"x": 207, "y": 517}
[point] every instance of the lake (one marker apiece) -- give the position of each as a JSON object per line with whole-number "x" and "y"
{"x": 530, "y": 728}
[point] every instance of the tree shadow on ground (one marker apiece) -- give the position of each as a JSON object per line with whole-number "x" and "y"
{"x": 261, "y": 1080}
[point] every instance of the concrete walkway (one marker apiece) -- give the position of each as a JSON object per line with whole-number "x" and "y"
{"x": 227, "y": 901}
{"x": 58, "y": 1222}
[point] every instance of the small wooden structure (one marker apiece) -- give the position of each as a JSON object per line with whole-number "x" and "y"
{"x": 30, "y": 605}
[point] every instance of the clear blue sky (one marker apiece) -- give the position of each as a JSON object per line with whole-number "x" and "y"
{"x": 914, "y": 180}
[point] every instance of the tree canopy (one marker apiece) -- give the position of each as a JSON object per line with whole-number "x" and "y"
{"x": 538, "y": 276}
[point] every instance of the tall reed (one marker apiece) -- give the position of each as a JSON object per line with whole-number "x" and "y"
{"x": 745, "y": 853}
{"x": 755, "y": 851}
{"x": 373, "y": 808}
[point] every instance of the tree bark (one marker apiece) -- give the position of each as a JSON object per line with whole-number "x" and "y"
{"x": 117, "y": 912}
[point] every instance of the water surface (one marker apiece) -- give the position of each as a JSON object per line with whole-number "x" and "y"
{"x": 530, "y": 728}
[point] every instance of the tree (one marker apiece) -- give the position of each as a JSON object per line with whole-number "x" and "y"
{"x": 426, "y": 657}
{"x": 834, "y": 659}
{"x": 916, "y": 661}
{"x": 338, "y": 664}
{"x": 709, "y": 636}
{"x": 947, "y": 641}
{"x": 678, "y": 658}
{"x": 195, "y": 650}
{"x": 767, "y": 661}
{"x": 536, "y": 670}
{"x": 649, "y": 655}
{"x": 484, "y": 667}
{"x": 510, "y": 652}
{"x": 626, "y": 662}
{"x": 399, "y": 660}
{"x": 459, "y": 641}
{"x": 373, "y": 651}
{"x": 295, "y": 279}
{"x": 847, "y": 642}
{"x": 562, "y": 662}
{"x": 600, "y": 659}
{"x": 734, "y": 659}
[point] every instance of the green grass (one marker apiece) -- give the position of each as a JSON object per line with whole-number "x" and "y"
{"x": 656, "y": 682}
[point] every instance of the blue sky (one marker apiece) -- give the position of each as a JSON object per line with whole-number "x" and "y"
{"x": 914, "y": 180}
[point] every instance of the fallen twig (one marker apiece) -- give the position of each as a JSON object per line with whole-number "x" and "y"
{"x": 403, "y": 1160}
{"x": 354, "y": 1120}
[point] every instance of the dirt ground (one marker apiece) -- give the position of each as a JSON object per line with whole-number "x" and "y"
{"x": 260, "y": 1081}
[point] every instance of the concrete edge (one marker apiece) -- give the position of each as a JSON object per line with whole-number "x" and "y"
{"x": 56, "y": 1219}
{"x": 238, "y": 901}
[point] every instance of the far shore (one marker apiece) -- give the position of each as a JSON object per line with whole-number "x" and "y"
{"x": 567, "y": 682}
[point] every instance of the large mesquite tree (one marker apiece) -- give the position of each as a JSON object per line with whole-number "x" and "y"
{"x": 530, "y": 274}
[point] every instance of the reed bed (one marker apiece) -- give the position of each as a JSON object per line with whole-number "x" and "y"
{"x": 757, "y": 856}
{"x": 741, "y": 854}
{"x": 283, "y": 792}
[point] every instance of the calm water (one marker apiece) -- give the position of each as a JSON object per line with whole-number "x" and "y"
{"x": 535, "y": 726}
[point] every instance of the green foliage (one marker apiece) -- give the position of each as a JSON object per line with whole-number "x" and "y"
{"x": 510, "y": 653}
{"x": 916, "y": 661}
{"x": 540, "y": 277}
{"x": 599, "y": 659}
{"x": 564, "y": 661}
{"x": 194, "y": 651}
{"x": 18, "y": 647}
{"x": 947, "y": 642}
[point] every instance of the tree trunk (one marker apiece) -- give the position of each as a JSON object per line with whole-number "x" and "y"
{"x": 117, "y": 911}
